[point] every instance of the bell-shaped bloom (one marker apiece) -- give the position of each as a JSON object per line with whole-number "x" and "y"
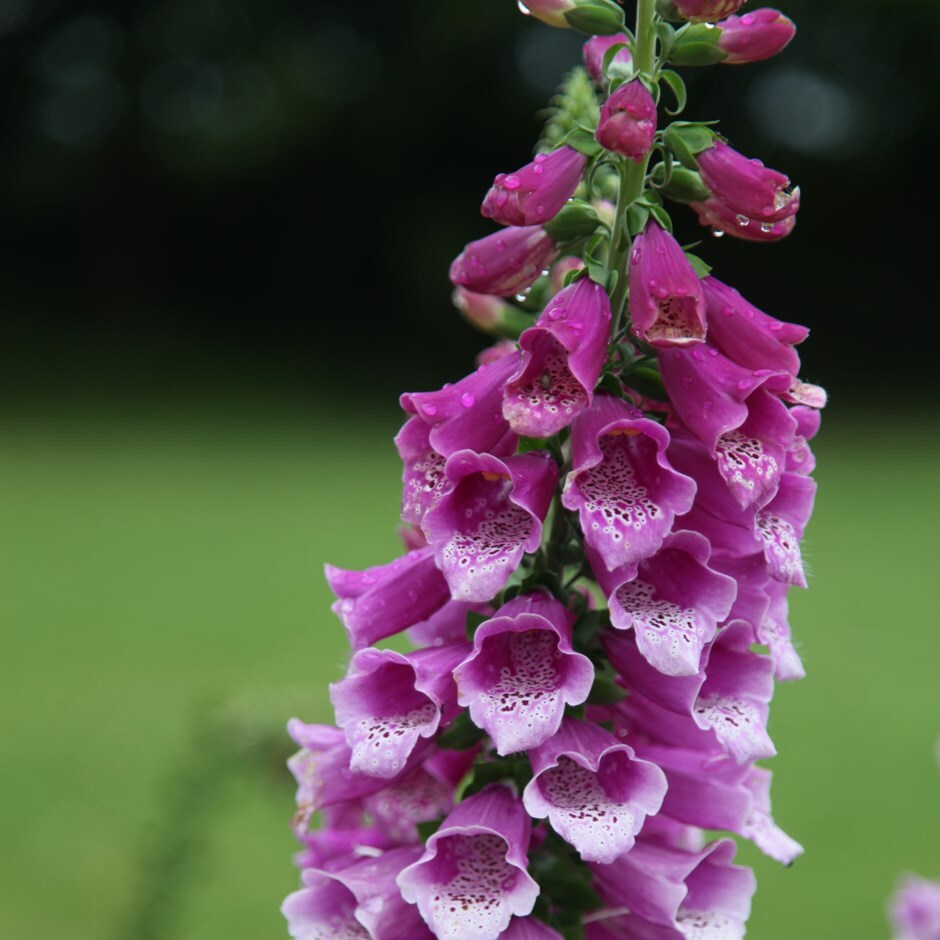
{"x": 491, "y": 515}
{"x": 914, "y": 910}
{"x": 748, "y": 336}
{"x": 533, "y": 194}
{"x": 746, "y": 186}
{"x": 755, "y": 36}
{"x": 472, "y": 877}
{"x": 780, "y": 525}
{"x": 389, "y": 700}
{"x": 384, "y": 600}
{"x": 667, "y": 307}
{"x": 504, "y": 263}
{"x": 523, "y": 672}
{"x": 596, "y": 48}
{"x": 562, "y": 359}
{"x": 674, "y": 603}
{"x": 592, "y": 788}
{"x": 721, "y": 218}
{"x": 773, "y": 631}
{"x": 706, "y": 11}
{"x": 358, "y": 900}
{"x": 422, "y": 478}
{"x": 760, "y": 827}
{"x": 445, "y": 626}
{"x": 628, "y": 122}
{"x": 622, "y": 485}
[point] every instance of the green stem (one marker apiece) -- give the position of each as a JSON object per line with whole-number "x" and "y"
{"x": 632, "y": 175}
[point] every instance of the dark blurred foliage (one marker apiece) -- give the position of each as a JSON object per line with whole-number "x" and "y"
{"x": 266, "y": 194}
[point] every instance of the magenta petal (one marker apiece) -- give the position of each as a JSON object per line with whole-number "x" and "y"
{"x": 594, "y": 791}
{"x": 493, "y": 513}
{"x": 760, "y": 827}
{"x": 388, "y": 701}
{"x": 324, "y": 907}
{"x": 522, "y": 673}
{"x": 562, "y": 358}
{"x": 622, "y": 485}
{"x": 472, "y": 877}
{"x": 758, "y": 35}
{"x": 384, "y": 600}
{"x": 627, "y": 122}
{"x": 423, "y": 478}
{"x": 528, "y": 928}
{"x": 780, "y": 526}
{"x": 504, "y": 263}
{"x": 534, "y": 193}
{"x": 674, "y": 603}
{"x": 773, "y": 631}
{"x": 718, "y": 902}
{"x": 667, "y": 307}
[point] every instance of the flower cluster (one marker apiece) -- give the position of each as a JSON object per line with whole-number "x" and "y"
{"x": 603, "y": 522}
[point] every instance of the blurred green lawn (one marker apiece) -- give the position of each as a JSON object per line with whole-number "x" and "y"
{"x": 154, "y": 565}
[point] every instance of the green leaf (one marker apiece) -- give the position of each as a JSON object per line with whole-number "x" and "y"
{"x": 612, "y": 280}
{"x": 427, "y": 829}
{"x": 474, "y": 620}
{"x": 647, "y": 381}
{"x": 677, "y": 87}
{"x": 666, "y": 35}
{"x": 605, "y": 690}
{"x": 623, "y": 71}
{"x": 461, "y": 735}
{"x": 701, "y": 268}
{"x": 583, "y": 141}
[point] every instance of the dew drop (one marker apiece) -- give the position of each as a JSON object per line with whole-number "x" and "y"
{"x": 742, "y": 220}
{"x": 429, "y": 410}
{"x": 766, "y": 228}
{"x": 520, "y": 298}
{"x": 523, "y": 9}
{"x": 717, "y": 233}
{"x": 467, "y": 400}
{"x": 512, "y": 182}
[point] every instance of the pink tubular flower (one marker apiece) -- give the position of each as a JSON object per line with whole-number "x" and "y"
{"x": 706, "y": 11}
{"x": 389, "y": 700}
{"x": 504, "y": 263}
{"x": 667, "y": 307}
{"x": 380, "y": 601}
{"x": 491, "y": 515}
{"x": 472, "y": 877}
{"x": 534, "y": 193}
{"x": 628, "y": 122}
{"x": 915, "y": 909}
{"x": 594, "y": 791}
{"x": 595, "y": 49}
{"x": 674, "y": 604}
{"x": 562, "y": 359}
{"x": 528, "y": 928}
{"x": 716, "y": 215}
{"x": 624, "y": 489}
{"x": 523, "y": 672}
{"x": 746, "y": 187}
{"x": 757, "y": 35}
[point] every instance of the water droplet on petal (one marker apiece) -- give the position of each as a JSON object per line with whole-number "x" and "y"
{"x": 429, "y": 410}
{"x": 520, "y": 298}
{"x": 523, "y": 9}
{"x": 766, "y": 228}
{"x": 717, "y": 233}
{"x": 467, "y": 400}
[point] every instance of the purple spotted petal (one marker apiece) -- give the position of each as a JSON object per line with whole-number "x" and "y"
{"x": 493, "y": 513}
{"x": 423, "y": 479}
{"x": 779, "y": 527}
{"x": 673, "y": 604}
{"x": 562, "y": 358}
{"x": 709, "y": 392}
{"x": 522, "y": 673}
{"x": 594, "y": 791}
{"x": 748, "y": 336}
{"x": 380, "y": 601}
{"x": 472, "y": 877}
{"x": 324, "y": 907}
{"x": 468, "y": 414}
{"x": 622, "y": 485}
{"x": 734, "y": 700}
{"x": 388, "y": 701}
{"x": 760, "y": 827}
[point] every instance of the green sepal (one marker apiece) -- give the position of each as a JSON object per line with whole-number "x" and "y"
{"x": 697, "y": 44}
{"x": 686, "y": 139}
{"x": 624, "y": 71}
{"x": 596, "y": 266}
{"x": 612, "y": 280}
{"x": 611, "y": 384}
{"x": 461, "y": 735}
{"x": 684, "y": 185}
{"x": 596, "y": 17}
{"x": 669, "y": 11}
{"x": 661, "y": 216}
{"x": 677, "y": 87}
{"x": 666, "y": 35}
{"x": 638, "y": 214}
{"x": 582, "y": 140}
{"x": 576, "y": 220}
{"x": 574, "y": 275}
{"x": 647, "y": 381}
{"x": 701, "y": 268}
{"x": 474, "y": 620}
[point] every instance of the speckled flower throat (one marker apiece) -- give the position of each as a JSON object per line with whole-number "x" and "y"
{"x": 603, "y": 522}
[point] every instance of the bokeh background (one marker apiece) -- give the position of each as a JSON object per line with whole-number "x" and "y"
{"x": 226, "y": 227}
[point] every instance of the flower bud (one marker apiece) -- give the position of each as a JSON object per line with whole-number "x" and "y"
{"x": 490, "y": 314}
{"x": 746, "y": 187}
{"x": 755, "y": 36}
{"x": 504, "y": 263}
{"x": 595, "y": 49}
{"x": 588, "y": 16}
{"x": 699, "y": 11}
{"x": 628, "y": 122}
{"x": 716, "y": 215}
{"x": 534, "y": 193}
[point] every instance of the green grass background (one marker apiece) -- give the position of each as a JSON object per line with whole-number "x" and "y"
{"x": 161, "y": 567}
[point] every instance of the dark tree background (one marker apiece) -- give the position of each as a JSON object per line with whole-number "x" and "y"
{"x": 247, "y": 195}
